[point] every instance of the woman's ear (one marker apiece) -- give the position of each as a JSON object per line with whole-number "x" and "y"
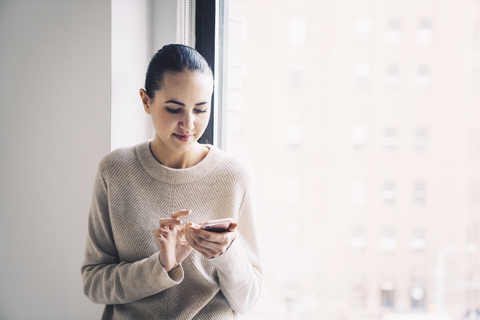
{"x": 145, "y": 101}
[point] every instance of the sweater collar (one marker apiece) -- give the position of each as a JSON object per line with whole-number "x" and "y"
{"x": 178, "y": 176}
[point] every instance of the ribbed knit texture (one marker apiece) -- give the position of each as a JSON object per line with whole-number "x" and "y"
{"x": 132, "y": 192}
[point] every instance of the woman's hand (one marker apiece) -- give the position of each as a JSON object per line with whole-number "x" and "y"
{"x": 210, "y": 244}
{"x": 171, "y": 240}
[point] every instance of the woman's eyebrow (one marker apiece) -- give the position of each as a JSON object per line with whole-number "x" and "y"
{"x": 175, "y": 102}
{"x": 182, "y": 104}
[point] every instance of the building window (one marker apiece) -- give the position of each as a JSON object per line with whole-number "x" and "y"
{"x": 359, "y": 136}
{"x": 363, "y": 30}
{"x": 358, "y": 240}
{"x": 387, "y": 241}
{"x": 294, "y": 135}
{"x": 358, "y": 294}
{"x": 419, "y": 193}
{"x": 296, "y": 75}
{"x": 425, "y": 33}
{"x": 420, "y": 143}
{"x": 297, "y": 31}
{"x": 390, "y": 139}
{"x": 391, "y": 78}
{"x": 387, "y": 294}
{"x": 388, "y": 194}
{"x": 362, "y": 75}
{"x": 359, "y": 192}
{"x": 474, "y": 140}
{"x": 473, "y": 192}
{"x": 472, "y": 239}
{"x": 394, "y": 33}
{"x": 422, "y": 80}
{"x": 476, "y": 80}
{"x": 476, "y": 35}
{"x": 418, "y": 242}
{"x": 417, "y": 295}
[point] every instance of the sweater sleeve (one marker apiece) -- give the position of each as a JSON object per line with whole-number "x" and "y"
{"x": 106, "y": 279}
{"x": 240, "y": 268}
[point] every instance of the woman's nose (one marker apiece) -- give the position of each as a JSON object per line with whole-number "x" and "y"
{"x": 187, "y": 122}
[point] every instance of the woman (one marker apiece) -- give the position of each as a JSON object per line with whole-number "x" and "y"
{"x": 181, "y": 271}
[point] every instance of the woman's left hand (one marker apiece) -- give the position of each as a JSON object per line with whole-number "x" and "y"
{"x": 209, "y": 244}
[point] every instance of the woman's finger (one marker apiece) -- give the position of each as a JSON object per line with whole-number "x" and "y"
{"x": 209, "y": 236}
{"x": 160, "y": 232}
{"x": 193, "y": 243}
{"x": 207, "y": 246}
{"x": 181, "y": 213}
{"x": 169, "y": 222}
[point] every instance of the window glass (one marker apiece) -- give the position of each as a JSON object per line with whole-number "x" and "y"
{"x": 425, "y": 33}
{"x": 363, "y": 30}
{"x": 391, "y": 78}
{"x": 365, "y": 156}
{"x": 393, "y": 35}
{"x": 362, "y": 75}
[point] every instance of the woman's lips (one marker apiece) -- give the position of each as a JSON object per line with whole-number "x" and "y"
{"x": 182, "y": 137}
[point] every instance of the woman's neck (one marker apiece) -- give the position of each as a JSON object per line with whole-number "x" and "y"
{"x": 176, "y": 160}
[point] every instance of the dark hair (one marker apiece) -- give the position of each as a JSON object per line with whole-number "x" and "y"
{"x": 172, "y": 58}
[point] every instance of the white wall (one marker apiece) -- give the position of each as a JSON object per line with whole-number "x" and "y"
{"x": 131, "y": 53}
{"x": 56, "y": 65}
{"x": 54, "y": 129}
{"x": 139, "y": 29}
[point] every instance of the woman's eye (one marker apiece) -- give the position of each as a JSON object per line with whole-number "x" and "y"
{"x": 173, "y": 110}
{"x": 200, "y": 111}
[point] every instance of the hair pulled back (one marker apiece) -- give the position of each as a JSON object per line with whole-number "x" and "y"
{"x": 172, "y": 58}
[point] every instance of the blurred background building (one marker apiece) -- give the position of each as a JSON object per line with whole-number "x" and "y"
{"x": 361, "y": 122}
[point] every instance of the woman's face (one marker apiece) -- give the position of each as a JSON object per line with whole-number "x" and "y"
{"x": 180, "y": 109}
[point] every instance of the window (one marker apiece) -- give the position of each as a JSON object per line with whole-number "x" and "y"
{"x": 363, "y": 30}
{"x": 294, "y": 135}
{"x": 476, "y": 35}
{"x": 418, "y": 242}
{"x": 473, "y": 192}
{"x": 425, "y": 33}
{"x": 474, "y": 140}
{"x": 419, "y": 193}
{"x": 420, "y": 143}
{"x": 391, "y": 78}
{"x": 387, "y": 294}
{"x": 358, "y": 293}
{"x": 362, "y": 75}
{"x": 358, "y": 240}
{"x": 393, "y": 36}
{"x": 359, "y": 136}
{"x": 387, "y": 241}
{"x": 472, "y": 239}
{"x": 359, "y": 192}
{"x": 390, "y": 139}
{"x": 297, "y": 27}
{"x": 388, "y": 194}
{"x": 422, "y": 80}
{"x": 345, "y": 100}
{"x": 476, "y": 80}
{"x": 296, "y": 75}
{"x": 417, "y": 295}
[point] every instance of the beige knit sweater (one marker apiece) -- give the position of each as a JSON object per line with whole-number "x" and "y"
{"x": 121, "y": 269}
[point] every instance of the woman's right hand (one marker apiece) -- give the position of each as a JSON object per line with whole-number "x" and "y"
{"x": 171, "y": 240}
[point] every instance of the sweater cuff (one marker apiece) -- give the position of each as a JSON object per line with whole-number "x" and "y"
{"x": 228, "y": 262}
{"x": 170, "y": 278}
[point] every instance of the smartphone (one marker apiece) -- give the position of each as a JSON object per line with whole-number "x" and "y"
{"x": 220, "y": 225}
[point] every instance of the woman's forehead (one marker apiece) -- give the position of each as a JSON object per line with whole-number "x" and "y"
{"x": 187, "y": 81}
